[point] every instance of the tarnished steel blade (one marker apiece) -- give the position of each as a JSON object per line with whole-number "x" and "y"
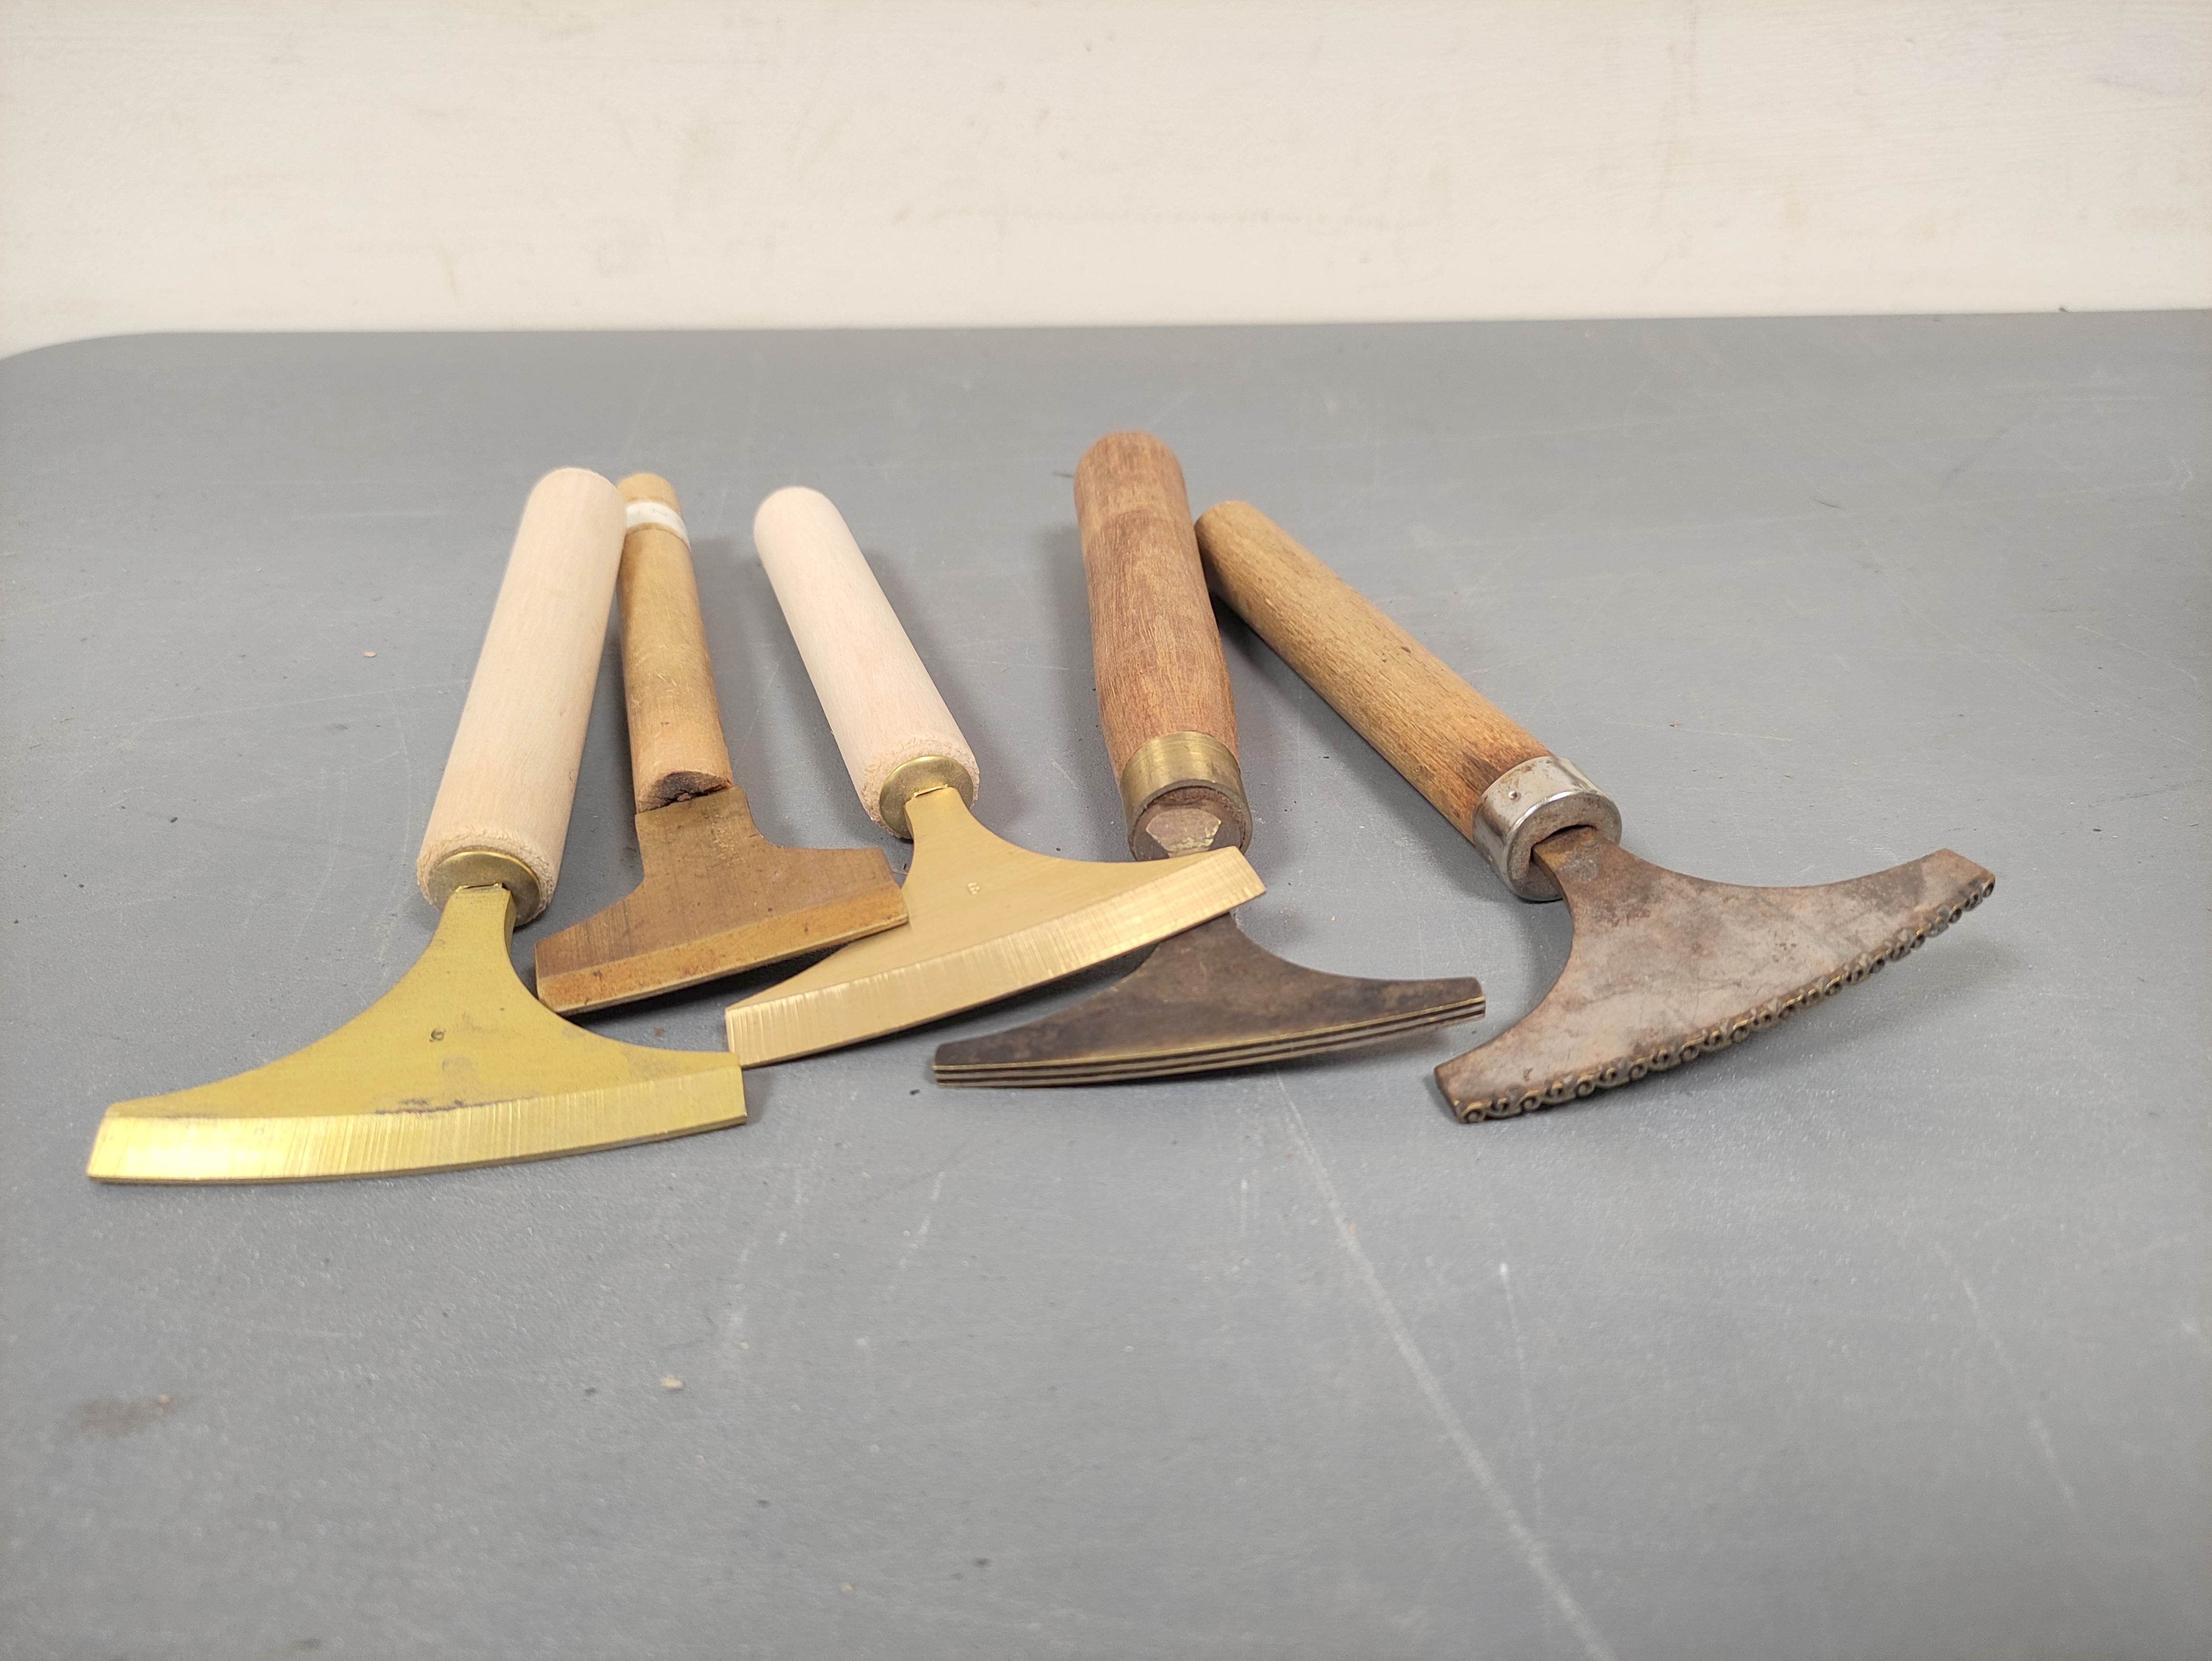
{"x": 1204, "y": 1000}
{"x": 1665, "y": 968}
{"x": 1221, "y": 1060}
{"x": 1245, "y": 1055}
{"x": 718, "y": 897}
{"x": 457, "y": 1065}
{"x": 985, "y": 919}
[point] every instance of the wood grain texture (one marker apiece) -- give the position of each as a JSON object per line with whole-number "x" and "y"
{"x": 676, "y": 745}
{"x": 510, "y": 779}
{"x": 882, "y": 705}
{"x": 1153, "y": 643}
{"x": 1449, "y": 741}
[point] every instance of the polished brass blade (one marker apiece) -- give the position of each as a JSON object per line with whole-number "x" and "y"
{"x": 718, "y": 897}
{"x": 1665, "y": 968}
{"x": 985, "y": 919}
{"x": 457, "y": 1065}
{"x": 1204, "y": 1000}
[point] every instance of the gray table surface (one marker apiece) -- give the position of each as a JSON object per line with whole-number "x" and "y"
{"x": 1882, "y": 1335}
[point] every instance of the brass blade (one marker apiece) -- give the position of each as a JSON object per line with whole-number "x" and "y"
{"x": 458, "y": 1065}
{"x": 1665, "y": 968}
{"x": 985, "y": 919}
{"x": 718, "y": 897}
{"x": 1204, "y": 1000}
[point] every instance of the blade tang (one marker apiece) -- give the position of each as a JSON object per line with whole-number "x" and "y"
{"x": 1526, "y": 804}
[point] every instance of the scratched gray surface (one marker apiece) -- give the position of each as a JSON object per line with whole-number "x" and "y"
{"x": 1884, "y": 1335}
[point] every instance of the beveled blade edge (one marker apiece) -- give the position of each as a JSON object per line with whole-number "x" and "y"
{"x": 132, "y": 1147}
{"x": 615, "y": 981}
{"x": 1475, "y": 1085}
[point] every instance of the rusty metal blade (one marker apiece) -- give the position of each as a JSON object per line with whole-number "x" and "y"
{"x": 1203, "y": 999}
{"x": 1665, "y": 968}
{"x": 718, "y": 897}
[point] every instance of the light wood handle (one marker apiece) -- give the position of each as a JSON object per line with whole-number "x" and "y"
{"x": 675, "y": 745}
{"x": 883, "y": 707}
{"x": 1152, "y": 638}
{"x": 511, "y": 777}
{"x": 1449, "y": 741}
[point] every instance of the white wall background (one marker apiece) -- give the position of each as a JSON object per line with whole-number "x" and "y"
{"x": 535, "y": 163}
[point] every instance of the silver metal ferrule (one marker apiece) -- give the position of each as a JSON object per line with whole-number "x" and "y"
{"x": 1536, "y": 799}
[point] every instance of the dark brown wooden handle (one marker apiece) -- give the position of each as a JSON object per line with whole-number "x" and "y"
{"x": 1164, "y": 695}
{"x": 1152, "y": 638}
{"x": 676, "y": 744}
{"x": 1449, "y": 741}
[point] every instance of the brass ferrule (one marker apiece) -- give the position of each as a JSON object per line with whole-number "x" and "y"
{"x": 1184, "y": 762}
{"x": 909, "y": 779}
{"x": 483, "y": 867}
{"x": 1528, "y": 803}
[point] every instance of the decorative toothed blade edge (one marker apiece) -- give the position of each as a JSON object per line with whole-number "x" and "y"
{"x": 1627, "y": 1069}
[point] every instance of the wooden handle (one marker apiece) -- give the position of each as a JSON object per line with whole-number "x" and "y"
{"x": 883, "y": 707}
{"x": 1449, "y": 741}
{"x": 1152, "y": 638}
{"x": 511, "y": 777}
{"x": 676, "y": 745}
{"x": 1164, "y": 695}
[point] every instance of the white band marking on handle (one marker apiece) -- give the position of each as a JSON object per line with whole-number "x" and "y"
{"x": 659, "y": 514}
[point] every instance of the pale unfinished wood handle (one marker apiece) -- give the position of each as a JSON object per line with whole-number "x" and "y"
{"x": 1449, "y": 741}
{"x": 1152, "y": 638}
{"x": 882, "y": 705}
{"x": 511, "y": 777}
{"x": 676, "y": 750}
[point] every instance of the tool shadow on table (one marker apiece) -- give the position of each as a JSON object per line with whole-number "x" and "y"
{"x": 1056, "y": 557}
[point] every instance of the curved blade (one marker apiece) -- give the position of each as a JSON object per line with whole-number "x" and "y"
{"x": 1204, "y": 1000}
{"x": 458, "y": 1065}
{"x": 1665, "y": 968}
